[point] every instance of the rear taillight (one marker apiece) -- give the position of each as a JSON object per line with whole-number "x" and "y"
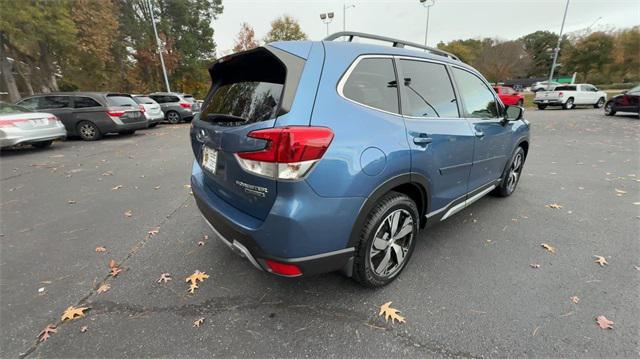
{"x": 560, "y": 94}
{"x": 185, "y": 104}
{"x": 290, "y": 152}
{"x": 115, "y": 113}
{"x": 11, "y": 123}
{"x": 289, "y": 270}
{"x": 142, "y": 108}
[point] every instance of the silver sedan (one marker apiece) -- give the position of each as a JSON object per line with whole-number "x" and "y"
{"x": 19, "y": 125}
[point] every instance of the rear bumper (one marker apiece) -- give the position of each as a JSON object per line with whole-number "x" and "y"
{"x": 11, "y": 136}
{"x": 549, "y": 102}
{"x": 125, "y": 127}
{"x": 282, "y": 239}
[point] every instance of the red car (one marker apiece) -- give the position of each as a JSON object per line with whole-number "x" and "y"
{"x": 509, "y": 96}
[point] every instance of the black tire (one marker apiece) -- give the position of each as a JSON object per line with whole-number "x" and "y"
{"x": 600, "y": 103}
{"x": 88, "y": 131}
{"x": 153, "y": 125}
{"x": 509, "y": 184}
{"x": 364, "y": 271}
{"x": 520, "y": 103}
{"x": 569, "y": 104}
{"x": 42, "y": 144}
{"x": 127, "y": 132}
{"x": 173, "y": 117}
{"x": 608, "y": 109}
{"x": 542, "y": 107}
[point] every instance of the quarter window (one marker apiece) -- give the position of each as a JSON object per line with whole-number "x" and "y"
{"x": 51, "y": 102}
{"x": 373, "y": 83}
{"x": 84, "y": 102}
{"x": 427, "y": 90}
{"x": 478, "y": 99}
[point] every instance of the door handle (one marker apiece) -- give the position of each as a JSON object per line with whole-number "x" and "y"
{"x": 422, "y": 139}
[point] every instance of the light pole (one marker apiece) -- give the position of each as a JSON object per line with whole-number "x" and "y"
{"x": 327, "y": 18}
{"x": 593, "y": 23}
{"x": 428, "y": 4}
{"x": 344, "y": 15}
{"x": 155, "y": 31}
{"x": 557, "y": 49}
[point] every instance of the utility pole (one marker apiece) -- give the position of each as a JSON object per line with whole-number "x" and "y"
{"x": 155, "y": 31}
{"x": 428, "y": 4}
{"x": 344, "y": 15}
{"x": 557, "y": 49}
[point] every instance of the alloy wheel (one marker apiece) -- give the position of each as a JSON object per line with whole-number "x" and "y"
{"x": 391, "y": 243}
{"x": 173, "y": 117}
{"x": 600, "y": 103}
{"x": 87, "y": 131}
{"x": 608, "y": 108}
{"x": 514, "y": 173}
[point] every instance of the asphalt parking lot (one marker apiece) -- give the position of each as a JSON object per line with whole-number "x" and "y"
{"x": 469, "y": 291}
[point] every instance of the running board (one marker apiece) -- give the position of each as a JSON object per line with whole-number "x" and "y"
{"x": 462, "y": 205}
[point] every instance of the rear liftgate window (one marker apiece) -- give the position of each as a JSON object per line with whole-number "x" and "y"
{"x": 247, "y": 88}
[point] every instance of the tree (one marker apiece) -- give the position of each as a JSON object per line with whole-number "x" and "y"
{"x": 466, "y": 50}
{"x": 503, "y": 61}
{"x": 591, "y": 57}
{"x": 285, "y": 28}
{"x": 246, "y": 39}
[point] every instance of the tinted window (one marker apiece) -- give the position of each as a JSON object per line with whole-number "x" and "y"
{"x": 121, "y": 100}
{"x": 144, "y": 100}
{"x": 171, "y": 99}
{"x": 373, "y": 83}
{"x": 478, "y": 99}
{"x": 30, "y": 103}
{"x": 248, "y": 101}
{"x": 83, "y": 102}
{"x": 565, "y": 88}
{"x": 189, "y": 98}
{"x": 54, "y": 102}
{"x": 428, "y": 90}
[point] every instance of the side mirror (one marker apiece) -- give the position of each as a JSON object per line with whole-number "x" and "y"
{"x": 513, "y": 113}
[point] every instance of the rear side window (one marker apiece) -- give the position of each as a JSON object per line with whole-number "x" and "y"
{"x": 144, "y": 100}
{"x": 30, "y": 103}
{"x": 565, "y": 88}
{"x": 121, "y": 100}
{"x": 428, "y": 91}
{"x": 373, "y": 83}
{"x": 50, "y": 102}
{"x": 84, "y": 102}
{"x": 478, "y": 99}
{"x": 189, "y": 98}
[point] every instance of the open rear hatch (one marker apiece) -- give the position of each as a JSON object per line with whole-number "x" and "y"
{"x": 249, "y": 90}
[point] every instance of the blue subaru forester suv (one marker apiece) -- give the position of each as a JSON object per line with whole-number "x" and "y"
{"x": 317, "y": 156}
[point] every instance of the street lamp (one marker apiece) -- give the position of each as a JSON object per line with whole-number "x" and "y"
{"x": 557, "y": 48}
{"x": 344, "y": 15}
{"x": 327, "y": 18}
{"x": 428, "y": 4}
{"x": 593, "y": 23}
{"x": 159, "y": 44}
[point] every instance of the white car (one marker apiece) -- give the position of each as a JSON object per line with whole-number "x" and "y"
{"x": 542, "y": 86}
{"x": 19, "y": 125}
{"x": 152, "y": 110}
{"x": 570, "y": 96}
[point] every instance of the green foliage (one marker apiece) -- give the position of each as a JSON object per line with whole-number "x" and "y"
{"x": 285, "y": 28}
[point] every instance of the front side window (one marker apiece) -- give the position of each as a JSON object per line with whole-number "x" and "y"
{"x": 478, "y": 99}
{"x": 84, "y": 102}
{"x": 51, "y": 102}
{"x": 428, "y": 91}
{"x": 30, "y": 103}
{"x": 373, "y": 83}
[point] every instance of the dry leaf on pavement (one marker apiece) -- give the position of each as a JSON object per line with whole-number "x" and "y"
{"x": 117, "y": 187}
{"x": 114, "y": 268}
{"x": 198, "y": 322}
{"x": 84, "y": 329}
{"x": 71, "y": 201}
{"x": 45, "y": 333}
{"x": 601, "y": 260}
{"x": 604, "y": 323}
{"x": 104, "y": 287}
{"x": 73, "y": 313}
{"x": 128, "y": 213}
{"x": 619, "y": 191}
{"x": 389, "y": 312}
{"x": 164, "y": 278}
{"x": 154, "y": 231}
{"x": 197, "y": 276}
{"x": 534, "y": 265}
{"x": 554, "y": 206}
{"x": 549, "y": 247}
{"x": 100, "y": 249}
{"x": 192, "y": 288}
{"x": 575, "y": 299}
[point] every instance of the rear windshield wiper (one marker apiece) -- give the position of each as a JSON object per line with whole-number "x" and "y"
{"x": 222, "y": 118}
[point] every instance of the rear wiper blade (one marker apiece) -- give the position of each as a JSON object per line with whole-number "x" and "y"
{"x": 222, "y": 118}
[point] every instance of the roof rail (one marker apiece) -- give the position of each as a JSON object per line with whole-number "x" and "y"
{"x": 395, "y": 42}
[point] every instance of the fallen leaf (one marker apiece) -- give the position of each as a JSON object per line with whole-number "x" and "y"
{"x": 116, "y": 187}
{"x": 71, "y": 201}
{"x": 549, "y": 247}
{"x": 73, "y": 313}
{"x": 554, "y": 206}
{"x": 84, "y": 329}
{"x": 108, "y": 173}
{"x": 604, "y": 323}
{"x": 164, "y": 278}
{"x": 100, "y": 249}
{"x": 601, "y": 261}
{"x": 45, "y": 333}
{"x": 114, "y": 268}
{"x": 534, "y": 265}
{"x": 128, "y": 213}
{"x": 198, "y": 322}
{"x": 389, "y": 312}
{"x": 575, "y": 299}
{"x": 187, "y": 186}
{"x": 154, "y": 231}
{"x": 104, "y": 287}
{"x": 620, "y": 191}
{"x": 156, "y": 187}
{"x": 197, "y": 276}
{"x": 192, "y": 288}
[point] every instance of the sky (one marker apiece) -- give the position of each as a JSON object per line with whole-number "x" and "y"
{"x": 406, "y": 19}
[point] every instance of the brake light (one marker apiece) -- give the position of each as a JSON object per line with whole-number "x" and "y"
{"x": 12, "y": 123}
{"x": 290, "y": 152}
{"x": 290, "y": 270}
{"x": 115, "y": 113}
{"x": 185, "y": 104}
{"x": 560, "y": 94}
{"x": 142, "y": 109}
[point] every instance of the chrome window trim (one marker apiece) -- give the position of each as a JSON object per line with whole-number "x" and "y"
{"x": 347, "y": 74}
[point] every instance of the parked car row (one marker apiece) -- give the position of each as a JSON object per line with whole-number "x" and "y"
{"x": 570, "y": 96}
{"x": 89, "y": 115}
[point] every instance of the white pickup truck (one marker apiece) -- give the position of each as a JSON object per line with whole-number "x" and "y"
{"x": 570, "y": 96}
